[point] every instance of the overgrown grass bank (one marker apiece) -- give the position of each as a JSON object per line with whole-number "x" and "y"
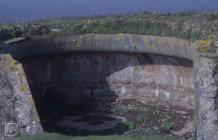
{"x": 182, "y": 25}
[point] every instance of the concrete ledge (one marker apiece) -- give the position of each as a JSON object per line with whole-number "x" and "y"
{"x": 168, "y": 46}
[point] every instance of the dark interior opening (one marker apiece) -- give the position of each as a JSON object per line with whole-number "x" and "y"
{"x": 75, "y": 96}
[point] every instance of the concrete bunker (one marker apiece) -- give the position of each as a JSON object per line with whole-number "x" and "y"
{"x": 103, "y": 68}
{"x": 77, "y": 81}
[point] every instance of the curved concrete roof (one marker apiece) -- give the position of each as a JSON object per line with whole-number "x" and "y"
{"x": 130, "y": 43}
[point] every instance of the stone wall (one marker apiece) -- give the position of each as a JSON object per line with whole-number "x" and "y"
{"x": 16, "y": 103}
{"x": 206, "y": 86}
{"x": 6, "y": 99}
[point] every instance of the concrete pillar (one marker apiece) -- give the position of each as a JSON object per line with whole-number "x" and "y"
{"x": 206, "y": 86}
{"x": 18, "y": 114}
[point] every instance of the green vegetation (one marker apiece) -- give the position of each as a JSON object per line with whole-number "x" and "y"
{"x": 182, "y": 25}
{"x": 47, "y": 136}
{"x": 168, "y": 125}
{"x": 139, "y": 120}
{"x": 122, "y": 109}
{"x": 144, "y": 27}
{"x": 17, "y": 30}
{"x": 130, "y": 125}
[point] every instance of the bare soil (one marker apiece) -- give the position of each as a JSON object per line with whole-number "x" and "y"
{"x": 125, "y": 117}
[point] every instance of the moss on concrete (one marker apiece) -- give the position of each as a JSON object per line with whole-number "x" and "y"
{"x": 205, "y": 46}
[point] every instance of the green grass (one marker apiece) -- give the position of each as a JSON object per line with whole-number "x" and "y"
{"x": 53, "y": 136}
{"x": 168, "y": 125}
{"x": 176, "y": 25}
{"x": 122, "y": 109}
{"x": 139, "y": 120}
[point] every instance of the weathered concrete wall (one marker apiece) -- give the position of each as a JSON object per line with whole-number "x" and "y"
{"x": 118, "y": 75}
{"x": 16, "y": 103}
{"x": 121, "y": 71}
{"x": 6, "y": 99}
{"x": 121, "y": 74}
{"x": 206, "y": 86}
{"x": 168, "y": 46}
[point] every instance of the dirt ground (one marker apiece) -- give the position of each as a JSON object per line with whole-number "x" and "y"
{"x": 125, "y": 117}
